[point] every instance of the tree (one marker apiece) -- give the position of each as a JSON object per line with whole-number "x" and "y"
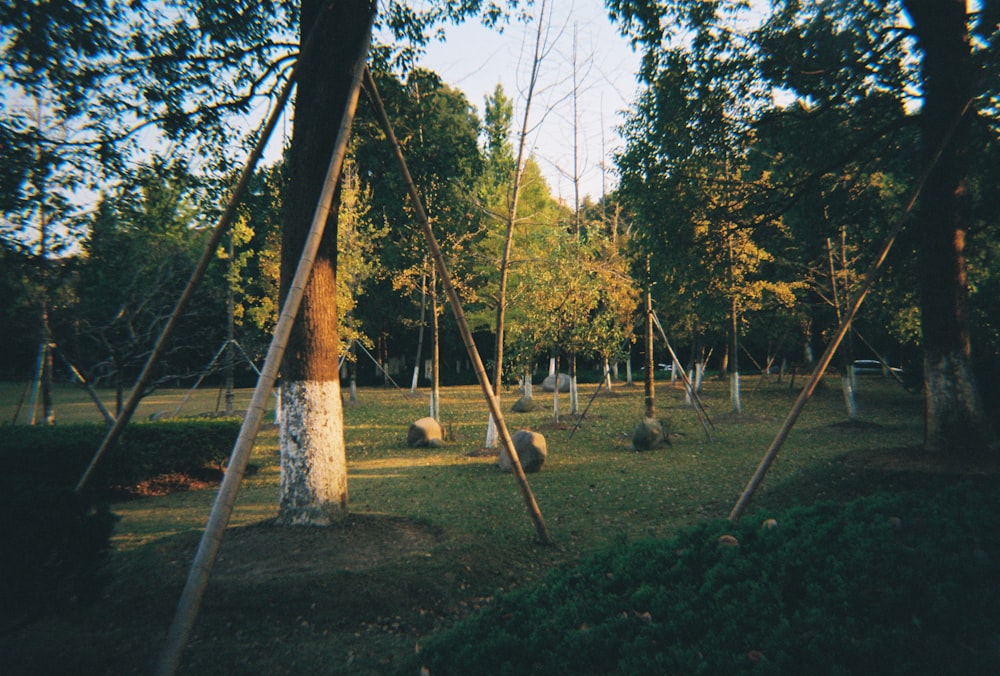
{"x": 838, "y": 79}
{"x": 313, "y": 460}
{"x": 438, "y": 129}
{"x": 955, "y": 416}
{"x": 135, "y": 260}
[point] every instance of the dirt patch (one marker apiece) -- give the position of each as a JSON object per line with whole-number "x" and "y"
{"x": 916, "y": 459}
{"x": 360, "y": 542}
{"x": 165, "y": 484}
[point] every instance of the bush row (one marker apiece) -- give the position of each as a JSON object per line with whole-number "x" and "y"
{"x": 58, "y": 455}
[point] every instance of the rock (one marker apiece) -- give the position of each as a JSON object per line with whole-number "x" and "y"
{"x": 549, "y": 384}
{"x": 425, "y": 433}
{"x": 524, "y": 405}
{"x": 531, "y": 451}
{"x": 648, "y": 435}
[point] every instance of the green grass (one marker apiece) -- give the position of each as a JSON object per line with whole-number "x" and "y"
{"x": 594, "y": 493}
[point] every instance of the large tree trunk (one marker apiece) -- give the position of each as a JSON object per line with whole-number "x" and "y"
{"x": 955, "y": 418}
{"x": 313, "y": 461}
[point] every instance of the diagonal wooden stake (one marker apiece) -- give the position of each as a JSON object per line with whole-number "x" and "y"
{"x": 456, "y": 307}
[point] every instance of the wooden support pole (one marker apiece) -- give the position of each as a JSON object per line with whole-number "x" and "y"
{"x": 211, "y": 540}
{"x": 456, "y": 307}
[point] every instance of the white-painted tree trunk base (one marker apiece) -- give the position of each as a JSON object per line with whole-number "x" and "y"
{"x": 955, "y": 418}
{"x": 734, "y": 392}
{"x": 313, "y": 488}
{"x": 492, "y": 436}
{"x": 850, "y": 401}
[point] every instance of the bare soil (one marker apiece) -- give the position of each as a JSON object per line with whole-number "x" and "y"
{"x": 360, "y": 542}
{"x": 917, "y": 460}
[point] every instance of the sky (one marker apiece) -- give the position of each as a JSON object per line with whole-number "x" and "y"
{"x": 474, "y": 60}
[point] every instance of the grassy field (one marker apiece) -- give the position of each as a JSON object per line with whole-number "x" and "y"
{"x": 435, "y": 533}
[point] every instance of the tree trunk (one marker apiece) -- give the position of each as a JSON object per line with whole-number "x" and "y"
{"x": 574, "y": 397}
{"x": 515, "y": 191}
{"x": 955, "y": 417}
{"x": 734, "y": 375}
{"x": 843, "y": 354}
{"x": 555, "y": 389}
{"x": 352, "y": 369}
{"x": 420, "y": 336}
{"x": 230, "y": 334}
{"x": 311, "y": 437}
{"x": 650, "y": 401}
{"x": 435, "y": 351}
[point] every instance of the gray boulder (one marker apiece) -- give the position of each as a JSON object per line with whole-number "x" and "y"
{"x": 425, "y": 433}
{"x": 524, "y": 405}
{"x": 531, "y": 451}
{"x": 648, "y": 435}
{"x": 549, "y": 384}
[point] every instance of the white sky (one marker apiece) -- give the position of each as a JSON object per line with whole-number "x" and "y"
{"x": 474, "y": 59}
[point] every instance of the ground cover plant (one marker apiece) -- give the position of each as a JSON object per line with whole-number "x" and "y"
{"x": 902, "y": 583}
{"x": 437, "y": 534}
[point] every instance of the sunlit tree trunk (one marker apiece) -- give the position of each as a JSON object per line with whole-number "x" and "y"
{"x": 311, "y": 437}
{"x": 955, "y": 417}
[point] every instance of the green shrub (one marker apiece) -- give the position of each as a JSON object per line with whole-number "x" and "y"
{"x": 900, "y": 583}
{"x": 53, "y": 541}
{"x": 54, "y": 544}
{"x": 58, "y": 455}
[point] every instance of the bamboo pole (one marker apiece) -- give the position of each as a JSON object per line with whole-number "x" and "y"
{"x": 208, "y": 547}
{"x": 456, "y": 307}
{"x": 869, "y": 280}
{"x": 220, "y": 229}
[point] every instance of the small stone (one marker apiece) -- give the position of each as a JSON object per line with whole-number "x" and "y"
{"x": 425, "y": 433}
{"x": 648, "y": 435}
{"x": 728, "y": 541}
{"x": 524, "y": 405}
{"x": 531, "y": 451}
{"x": 549, "y": 384}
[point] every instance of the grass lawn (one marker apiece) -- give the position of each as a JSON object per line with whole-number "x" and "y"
{"x": 435, "y": 533}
